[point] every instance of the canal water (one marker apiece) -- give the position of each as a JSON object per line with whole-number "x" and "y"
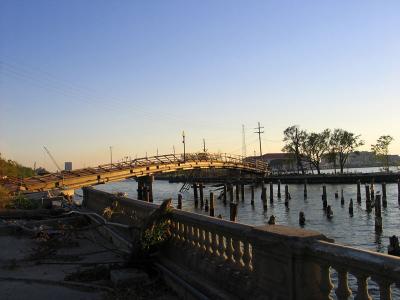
{"x": 358, "y": 231}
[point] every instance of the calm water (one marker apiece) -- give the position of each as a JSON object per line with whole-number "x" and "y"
{"x": 357, "y": 231}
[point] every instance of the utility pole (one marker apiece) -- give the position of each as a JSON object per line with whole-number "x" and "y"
{"x": 259, "y": 135}
{"x": 184, "y": 146}
{"x": 243, "y": 141}
{"x": 204, "y": 146}
{"x": 111, "y": 155}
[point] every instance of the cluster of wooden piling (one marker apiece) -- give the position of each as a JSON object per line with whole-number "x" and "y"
{"x": 236, "y": 192}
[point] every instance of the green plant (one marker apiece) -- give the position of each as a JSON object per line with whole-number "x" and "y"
{"x": 21, "y": 202}
{"x": 155, "y": 236}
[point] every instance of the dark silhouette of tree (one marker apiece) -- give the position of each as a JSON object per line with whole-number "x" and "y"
{"x": 342, "y": 143}
{"x": 315, "y": 146}
{"x": 294, "y": 139}
{"x": 381, "y": 150}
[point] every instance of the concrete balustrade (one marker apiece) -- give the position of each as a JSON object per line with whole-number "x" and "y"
{"x": 227, "y": 260}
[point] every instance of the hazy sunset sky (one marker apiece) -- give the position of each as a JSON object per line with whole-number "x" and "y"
{"x": 81, "y": 76}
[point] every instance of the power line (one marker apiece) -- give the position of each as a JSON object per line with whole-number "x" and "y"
{"x": 259, "y": 135}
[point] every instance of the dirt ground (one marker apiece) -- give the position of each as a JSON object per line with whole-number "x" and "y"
{"x": 67, "y": 260}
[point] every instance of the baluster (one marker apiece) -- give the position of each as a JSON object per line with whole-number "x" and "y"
{"x": 214, "y": 244}
{"x": 246, "y": 255}
{"x": 237, "y": 253}
{"x": 385, "y": 290}
{"x": 201, "y": 240}
{"x": 207, "y": 242}
{"x": 195, "y": 238}
{"x": 191, "y": 236}
{"x": 186, "y": 235}
{"x": 174, "y": 231}
{"x": 326, "y": 282}
{"x": 343, "y": 291}
{"x": 221, "y": 246}
{"x": 178, "y": 233}
{"x": 229, "y": 250}
{"x": 362, "y": 287}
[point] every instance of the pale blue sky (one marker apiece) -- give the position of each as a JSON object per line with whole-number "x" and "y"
{"x": 79, "y": 76}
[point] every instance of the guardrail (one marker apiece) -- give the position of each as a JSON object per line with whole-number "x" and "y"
{"x": 238, "y": 261}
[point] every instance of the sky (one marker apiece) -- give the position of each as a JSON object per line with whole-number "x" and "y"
{"x": 81, "y": 76}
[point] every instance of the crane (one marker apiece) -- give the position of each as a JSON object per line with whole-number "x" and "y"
{"x": 52, "y": 158}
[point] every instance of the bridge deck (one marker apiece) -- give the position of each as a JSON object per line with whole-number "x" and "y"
{"x": 133, "y": 169}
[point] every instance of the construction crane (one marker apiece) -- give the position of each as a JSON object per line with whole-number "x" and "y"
{"x": 52, "y": 158}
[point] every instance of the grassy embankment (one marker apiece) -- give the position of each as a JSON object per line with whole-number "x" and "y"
{"x": 11, "y": 168}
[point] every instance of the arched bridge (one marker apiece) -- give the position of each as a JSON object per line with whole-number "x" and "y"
{"x": 136, "y": 168}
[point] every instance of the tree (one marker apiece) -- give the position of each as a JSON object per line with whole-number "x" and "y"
{"x": 343, "y": 143}
{"x": 381, "y": 150}
{"x": 315, "y": 146}
{"x": 293, "y": 138}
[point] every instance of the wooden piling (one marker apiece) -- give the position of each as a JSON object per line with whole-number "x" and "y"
{"x": 233, "y": 212}
{"x": 398, "y": 191}
{"x": 242, "y": 191}
{"x": 372, "y": 191}
{"x": 201, "y": 188}
{"x": 384, "y": 199}
{"x": 224, "y": 195}
{"x": 206, "y": 205}
{"x": 302, "y": 219}
{"x": 252, "y": 194}
{"x": 271, "y": 192}
{"x": 351, "y": 207}
{"x": 368, "y": 198}
{"x": 305, "y": 188}
{"x": 237, "y": 192}
{"x": 195, "y": 193}
{"x": 264, "y": 197}
{"x": 378, "y": 214}
{"x": 358, "y": 191}
{"x": 279, "y": 189}
{"x": 179, "y": 201}
{"x": 324, "y": 196}
{"x": 286, "y": 192}
{"x": 342, "y": 198}
{"x": 211, "y": 204}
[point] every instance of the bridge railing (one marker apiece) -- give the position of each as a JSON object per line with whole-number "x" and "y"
{"x": 188, "y": 157}
{"x": 265, "y": 262}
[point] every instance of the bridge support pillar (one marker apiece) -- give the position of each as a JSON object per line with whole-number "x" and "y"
{"x": 140, "y": 194}
{"x": 224, "y": 195}
{"x": 230, "y": 188}
{"x": 145, "y": 188}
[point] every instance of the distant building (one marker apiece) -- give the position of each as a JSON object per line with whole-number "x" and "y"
{"x": 68, "y": 166}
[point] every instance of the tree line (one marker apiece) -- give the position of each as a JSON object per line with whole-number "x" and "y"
{"x": 308, "y": 148}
